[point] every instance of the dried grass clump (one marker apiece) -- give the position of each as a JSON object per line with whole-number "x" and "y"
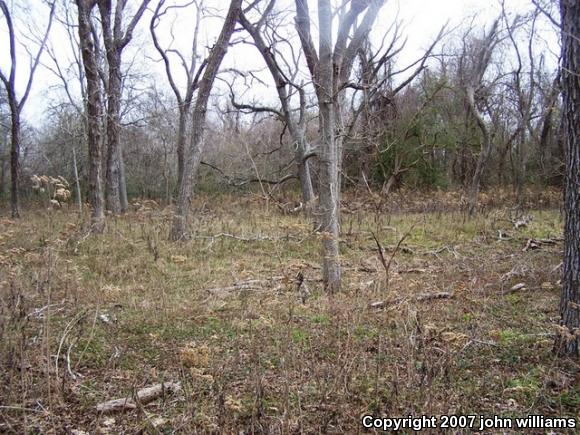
{"x": 57, "y": 188}
{"x": 194, "y": 356}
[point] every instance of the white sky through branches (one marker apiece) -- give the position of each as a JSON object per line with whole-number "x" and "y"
{"x": 421, "y": 21}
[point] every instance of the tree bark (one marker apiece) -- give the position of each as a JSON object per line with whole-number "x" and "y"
{"x": 179, "y": 224}
{"x": 568, "y": 339}
{"x": 94, "y": 114}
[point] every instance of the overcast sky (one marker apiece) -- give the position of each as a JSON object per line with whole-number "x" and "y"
{"x": 422, "y": 20}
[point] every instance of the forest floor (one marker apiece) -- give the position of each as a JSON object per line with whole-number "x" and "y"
{"x": 85, "y": 318}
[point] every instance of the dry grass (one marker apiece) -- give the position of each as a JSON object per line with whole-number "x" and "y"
{"x": 86, "y": 319}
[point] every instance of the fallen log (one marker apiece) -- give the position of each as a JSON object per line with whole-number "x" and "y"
{"x": 143, "y": 396}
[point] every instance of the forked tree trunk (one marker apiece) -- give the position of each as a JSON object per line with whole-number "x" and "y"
{"x": 94, "y": 113}
{"x": 330, "y": 70}
{"x": 568, "y": 338}
{"x": 116, "y": 39}
{"x": 179, "y": 224}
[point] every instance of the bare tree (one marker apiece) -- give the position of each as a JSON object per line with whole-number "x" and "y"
{"x": 330, "y": 69}
{"x": 16, "y": 104}
{"x": 376, "y": 95}
{"x": 195, "y": 151}
{"x": 192, "y": 74}
{"x": 568, "y": 338}
{"x": 473, "y": 67}
{"x": 284, "y": 73}
{"x": 116, "y": 39}
{"x": 524, "y": 94}
{"x": 94, "y": 113}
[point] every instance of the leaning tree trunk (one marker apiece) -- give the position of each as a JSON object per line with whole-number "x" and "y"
{"x": 94, "y": 113}
{"x": 179, "y": 224}
{"x": 568, "y": 338}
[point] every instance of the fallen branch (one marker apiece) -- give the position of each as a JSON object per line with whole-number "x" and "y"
{"x": 242, "y": 239}
{"x": 143, "y": 396}
{"x": 430, "y": 296}
{"x": 250, "y": 284}
{"x": 420, "y": 298}
{"x": 240, "y": 182}
{"x": 414, "y": 270}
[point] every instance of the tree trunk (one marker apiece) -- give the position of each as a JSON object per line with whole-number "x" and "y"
{"x": 4, "y": 156}
{"x": 329, "y": 189}
{"x": 302, "y": 148}
{"x": 77, "y": 182}
{"x": 15, "y": 161}
{"x": 568, "y": 340}
{"x": 116, "y": 39}
{"x": 486, "y": 148}
{"x": 179, "y": 224}
{"x": 181, "y": 136}
{"x": 191, "y": 168}
{"x": 122, "y": 182}
{"x": 547, "y": 143}
{"x": 94, "y": 113}
{"x": 112, "y": 191}
{"x": 305, "y": 179}
{"x": 522, "y": 163}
